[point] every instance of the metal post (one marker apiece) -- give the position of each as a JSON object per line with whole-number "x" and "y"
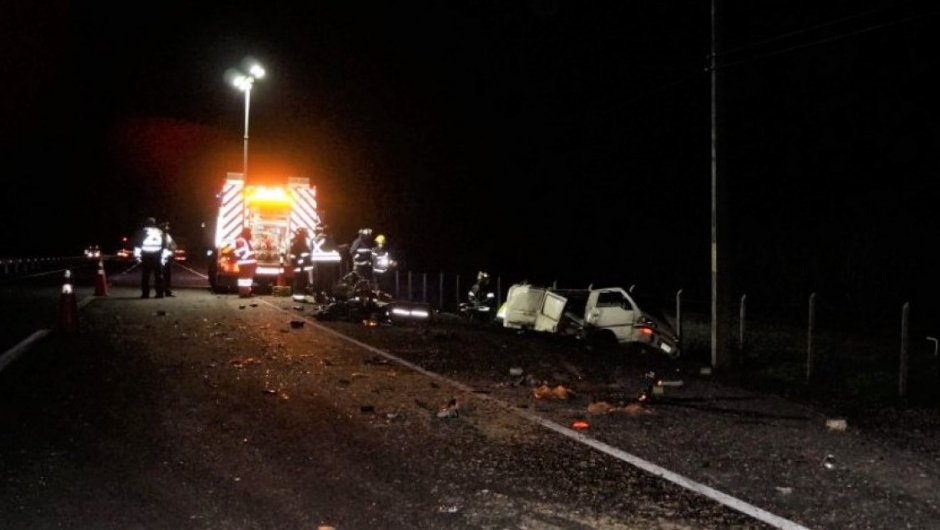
{"x": 440, "y": 292}
{"x": 811, "y": 328}
{"x": 424, "y": 287}
{"x": 679, "y": 315}
{"x": 903, "y": 368}
{"x": 247, "y": 106}
{"x": 410, "y": 297}
{"x": 499, "y": 292}
{"x": 741, "y": 318}
{"x": 457, "y": 286}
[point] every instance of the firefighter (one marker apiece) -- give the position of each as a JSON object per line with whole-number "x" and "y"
{"x": 477, "y": 294}
{"x": 168, "y": 256}
{"x": 382, "y": 262}
{"x": 247, "y": 263}
{"x": 361, "y": 252}
{"x": 299, "y": 253}
{"x": 149, "y": 244}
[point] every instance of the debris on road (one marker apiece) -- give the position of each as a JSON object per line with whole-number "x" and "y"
{"x": 836, "y": 424}
{"x": 450, "y": 410}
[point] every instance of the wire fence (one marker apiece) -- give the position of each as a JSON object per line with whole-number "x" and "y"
{"x": 811, "y": 346}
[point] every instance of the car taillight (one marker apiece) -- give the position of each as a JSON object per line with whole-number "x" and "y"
{"x": 646, "y": 330}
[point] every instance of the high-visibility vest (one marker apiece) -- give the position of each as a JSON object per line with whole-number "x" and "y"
{"x": 244, "y": 252}
{"x": 381, "y": 261}
{"x": 152, "y": 241}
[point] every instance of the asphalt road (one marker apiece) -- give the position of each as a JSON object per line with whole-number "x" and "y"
{"x": 210, "y": 411}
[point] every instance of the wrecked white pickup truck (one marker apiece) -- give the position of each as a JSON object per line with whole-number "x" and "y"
{"x": 608, "y": 314}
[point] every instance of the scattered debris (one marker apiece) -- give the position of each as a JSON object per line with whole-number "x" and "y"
{"x": 829, "y": 462}
{"x": 242, "y": 362}
{"x": 557, "y": 392}
{"x": 450, "y": 410}
{"x": 269, "y": 391}
{"x": 367, "y": 409}
{"x": 448, "y": 509}
{"x": 515, "y": 371}
{"x": 296, "y": 324}
{"x": 836, "y": 424}
{"x": 674, "y": 383}
{"x": 785, "y": 490}
{"x": 603, "y": 407}
{"x": 600, "y": 407}
{"x": 705, "y": 370}
{"x": 299, "y": 307}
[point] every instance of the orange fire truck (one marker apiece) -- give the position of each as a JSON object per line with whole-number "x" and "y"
{"x": 273, "y": 213}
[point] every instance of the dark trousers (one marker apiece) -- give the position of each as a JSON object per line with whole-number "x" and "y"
{"x": 151, "y": 266}
{"x": 168, "y": 276}
{"x": 299, "y": 281}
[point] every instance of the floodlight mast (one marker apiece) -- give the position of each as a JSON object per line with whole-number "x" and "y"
{"x": 245, "y": 82}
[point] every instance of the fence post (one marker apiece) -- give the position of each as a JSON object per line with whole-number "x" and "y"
{"x": 440, "y": 292}
{"x": 679, "y": 315}
{"x": 410, "y": 295}
{"x": 499, "y": 292}
{"x": 424, "y": 287}
{"x": 742, "y": 313}
{"x": 903, "y": 368}
{"x": 457, "y": 287}
{"x": 811, "y": 328}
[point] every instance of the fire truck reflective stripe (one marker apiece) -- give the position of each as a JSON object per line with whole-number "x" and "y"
{"x": 268, "y": 270}
{"x": 304, "y": 212}
{"x": 231, "y": 213}
{"x": 244, "y": 282}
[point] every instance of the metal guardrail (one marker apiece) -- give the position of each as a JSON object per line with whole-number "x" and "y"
{"x": 17, "y": 266}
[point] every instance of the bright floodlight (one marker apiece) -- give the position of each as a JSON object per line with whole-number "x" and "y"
{"x": 243, "y": 82}
{"x": 256, "y": 71}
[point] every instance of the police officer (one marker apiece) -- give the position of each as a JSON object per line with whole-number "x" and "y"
{"x": 169, "y": 254}
{"x": 149, "y": 245}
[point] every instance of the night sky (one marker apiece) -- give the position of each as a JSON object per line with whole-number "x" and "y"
{"x": 544, "y": 139}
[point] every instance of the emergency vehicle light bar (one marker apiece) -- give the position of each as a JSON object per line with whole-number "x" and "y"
{"x": 265, "y": 194}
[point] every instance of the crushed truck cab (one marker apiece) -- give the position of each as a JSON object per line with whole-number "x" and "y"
{"x": 608, "y": 313}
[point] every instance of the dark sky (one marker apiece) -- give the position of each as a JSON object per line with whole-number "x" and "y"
{"x": 541, "y": 139}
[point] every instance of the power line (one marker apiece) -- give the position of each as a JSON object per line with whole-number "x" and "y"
{"x": 829, "y": 39}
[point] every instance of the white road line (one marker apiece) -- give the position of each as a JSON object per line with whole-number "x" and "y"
{"x": 10, "y": 355}
{"x": 732, "y": 502}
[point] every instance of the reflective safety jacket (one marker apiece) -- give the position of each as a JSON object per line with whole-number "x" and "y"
{"x": 244, "y": 252}
{"x": 381, "y": 260}
{"x": 300, "y": 254}
{"x": 169, "y": 249}
{"x": 361, "y": 252}
{"x": 150, "y": 240}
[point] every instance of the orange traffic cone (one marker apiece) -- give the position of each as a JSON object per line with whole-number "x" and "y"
{"x": 101, "y": 281}
{"x": 68, "y": 307}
